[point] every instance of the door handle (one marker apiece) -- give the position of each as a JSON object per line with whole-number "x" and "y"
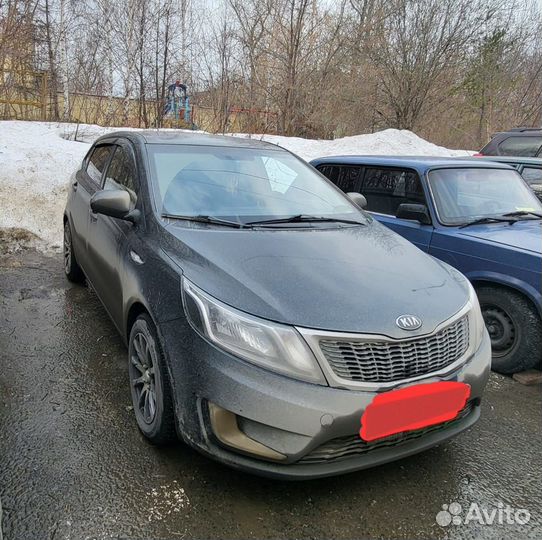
{"x": 74, "y": 186}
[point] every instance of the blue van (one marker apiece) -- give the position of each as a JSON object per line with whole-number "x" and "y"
{"x": 480, "y": 217}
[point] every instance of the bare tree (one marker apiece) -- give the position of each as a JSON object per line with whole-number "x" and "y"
{"x": 51, "y": 53}
{"x": 453, "y": 70}
{"x": 421, "y": 45}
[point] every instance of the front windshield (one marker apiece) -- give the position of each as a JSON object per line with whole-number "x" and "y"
{"x": 464, "y": 195}
{"x": 241, "y": 184}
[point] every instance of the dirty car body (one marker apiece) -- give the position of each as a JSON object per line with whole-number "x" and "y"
{"x": 259, "y": 327}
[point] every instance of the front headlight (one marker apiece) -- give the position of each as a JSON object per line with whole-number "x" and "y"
{"x": 476, "y": 321}
{"x": 271, "y": 345}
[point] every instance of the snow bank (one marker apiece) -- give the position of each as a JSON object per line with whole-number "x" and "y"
{"x": 35, "y": 165}
{"x": 37, "y": 158}
{"x": 390, "y": 141}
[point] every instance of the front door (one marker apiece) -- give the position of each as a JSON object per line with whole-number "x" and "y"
{"x": 86, "y": 182}
{"x": 108, "y": 238}
{"x": 385, "y": 188}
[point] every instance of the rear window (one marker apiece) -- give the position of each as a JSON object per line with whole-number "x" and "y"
{"x": 520, "y": 146}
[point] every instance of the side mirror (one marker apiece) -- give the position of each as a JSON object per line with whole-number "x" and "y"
{"x": 416, "y": 212}
{"x": 357, "y": 198}
{"x": 114, "y": 203}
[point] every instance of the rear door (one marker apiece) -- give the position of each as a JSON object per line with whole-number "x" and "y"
{"x": 87, "y": 182}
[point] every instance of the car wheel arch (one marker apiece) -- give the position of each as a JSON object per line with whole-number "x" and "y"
{"x": 507, "y": 285}
{"x": 136, "y": 309}
{"x": 66, "y": 218}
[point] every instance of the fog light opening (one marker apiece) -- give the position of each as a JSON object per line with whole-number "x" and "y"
{"x": 226, "y": 430}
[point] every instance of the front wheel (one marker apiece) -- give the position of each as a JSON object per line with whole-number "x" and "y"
{"x": 514, "y": 327}
{"x": 149, "y": 382}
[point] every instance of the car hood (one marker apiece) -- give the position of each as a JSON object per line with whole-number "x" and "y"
{"x": 350, "y": 279}
{"x": 525, "y": 235}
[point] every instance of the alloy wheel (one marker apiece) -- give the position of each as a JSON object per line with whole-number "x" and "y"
{"x": 67, "y": 248}
{"x": 142, "y": 377}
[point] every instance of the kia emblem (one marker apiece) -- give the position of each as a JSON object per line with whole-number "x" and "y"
{"x": 408, "y": 322}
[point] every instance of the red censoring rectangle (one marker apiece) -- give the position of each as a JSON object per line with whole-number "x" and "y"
{"x": 414, "y": 407}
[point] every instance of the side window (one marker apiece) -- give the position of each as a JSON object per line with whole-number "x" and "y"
{"x": 520, "y": 146}
{"x": 97, "y": 162}
{"x": 386, "y": 189}
{"x": 120, "y": 174}
{"x": 532, "y": 175}
{"x": 345, "y": 177}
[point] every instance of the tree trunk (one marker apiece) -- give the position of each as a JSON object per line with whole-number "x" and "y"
{"x": 52, "y": 64}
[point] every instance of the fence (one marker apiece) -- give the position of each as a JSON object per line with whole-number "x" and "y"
{"x": 26, "y": 95}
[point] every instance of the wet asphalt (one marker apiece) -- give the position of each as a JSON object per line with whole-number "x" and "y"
{"x": 73, "y": 464}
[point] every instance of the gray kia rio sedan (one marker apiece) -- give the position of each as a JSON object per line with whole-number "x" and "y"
{"x": 271, "y": 323}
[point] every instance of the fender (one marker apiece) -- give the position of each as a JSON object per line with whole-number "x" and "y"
{"x": 130, "y": 303}
{"x": 502, "y": 279}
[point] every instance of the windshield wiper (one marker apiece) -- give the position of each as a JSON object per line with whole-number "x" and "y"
{"x": 488, "y": 219}
{"x": 302, "y": 218}
{"x": 207, "y": 219}
{"x": 520, "y": 213}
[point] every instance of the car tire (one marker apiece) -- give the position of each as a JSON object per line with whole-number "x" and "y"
{"x": 73, "y": 271}
{"x": 514, "y": 327}
{"x": 152, "y": 397}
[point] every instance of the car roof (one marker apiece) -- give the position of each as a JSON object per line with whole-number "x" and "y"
{"x": 520, "y": 131}
{"x": 420, "y": 163}
{"x": 499, "y": 136}
{"x": 190, "y": 138}
{"x": 516, "y": 160}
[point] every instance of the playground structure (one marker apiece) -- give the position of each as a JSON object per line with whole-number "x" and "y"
{"x": 177, "y": 108}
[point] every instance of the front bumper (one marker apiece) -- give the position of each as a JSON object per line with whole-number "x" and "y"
{"x": 305, "y": 423}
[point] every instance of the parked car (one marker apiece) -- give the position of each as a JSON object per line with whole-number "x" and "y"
{"x": 267, "y": 318}
{"x": 529, "y": 168}
{"x": 478, "y": 216}
{"x": 525, "y": 142}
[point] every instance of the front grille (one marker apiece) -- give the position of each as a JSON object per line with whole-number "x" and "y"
{"x": 353, "y": 445}
{"x": 388, "y": 361}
